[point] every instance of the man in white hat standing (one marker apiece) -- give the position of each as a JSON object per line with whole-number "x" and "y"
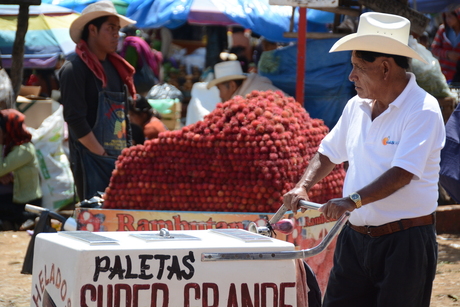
{"x": 94, "y": 91}
{"x": 231, "y": 81}
{"x": 391, "y": 134}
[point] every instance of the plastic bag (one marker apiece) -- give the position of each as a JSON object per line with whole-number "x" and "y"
{"x": 6, "y": 91}
{"x": 165, "y": 91}
{"x": 55, "y": 172}
{"x": 429, "y": 76}
{"x": 163, "y": 106}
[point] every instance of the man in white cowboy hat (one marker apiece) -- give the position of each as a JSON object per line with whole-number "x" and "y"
{"x": 94, "y": 96}
{"x": 231, "y": 81}
{"x": 391, "y": 134}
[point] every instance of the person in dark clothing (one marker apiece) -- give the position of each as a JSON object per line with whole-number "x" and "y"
{"x": 146, "y": 117}
{"x": 94, "y": 88}
{"x": 138, "y": 134}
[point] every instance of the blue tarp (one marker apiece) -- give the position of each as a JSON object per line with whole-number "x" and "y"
{"x": 79, "y": 5}
{"x": 270, "y": 21}
{"x": 449, "y": 176}
{"x": 431, "y": 6}
{"x": 327, "y": 88}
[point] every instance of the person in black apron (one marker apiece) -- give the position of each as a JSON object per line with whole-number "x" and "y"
{"x": 95, "y": 85}
{"x": 94, "y": 170}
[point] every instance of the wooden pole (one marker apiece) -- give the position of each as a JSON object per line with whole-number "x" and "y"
{"x": 18, "y": 49}
{"x": 301, "y": 53}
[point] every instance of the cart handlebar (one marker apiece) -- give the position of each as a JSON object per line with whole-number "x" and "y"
{"x": 287, "y": 254}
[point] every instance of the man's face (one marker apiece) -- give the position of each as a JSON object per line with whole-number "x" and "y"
{"x": 366, "y": 76}
{"x": 108, "y": 34}
{"x": 226, "y": 90}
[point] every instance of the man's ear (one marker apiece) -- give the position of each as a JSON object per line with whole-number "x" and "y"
{"x": 233, "y": 86}
{"x": 385, "y": 66}
{"x": 92, "y": 29}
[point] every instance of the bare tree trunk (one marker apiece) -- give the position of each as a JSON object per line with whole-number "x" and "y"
{"x": 18, "y": 49}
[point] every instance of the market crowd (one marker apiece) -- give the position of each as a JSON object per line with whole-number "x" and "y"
{"x": 156, "y": 60}
{"x": 117, "y": 69}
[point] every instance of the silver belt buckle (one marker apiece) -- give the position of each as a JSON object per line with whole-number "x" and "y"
{"x": 369, "y": 231}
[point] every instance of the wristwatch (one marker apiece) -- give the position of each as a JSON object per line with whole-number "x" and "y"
{"x": 357, "y": 199}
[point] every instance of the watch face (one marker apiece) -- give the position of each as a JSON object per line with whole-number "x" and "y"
{"x": 354, "y": 196}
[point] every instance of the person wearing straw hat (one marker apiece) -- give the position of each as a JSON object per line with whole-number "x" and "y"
{"x": 95, "y": 85}
{"x": 231, "y": 81}
{"x": 391, "y": 133}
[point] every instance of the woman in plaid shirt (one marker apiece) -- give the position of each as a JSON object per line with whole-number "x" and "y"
{"x": 446, "y": 43}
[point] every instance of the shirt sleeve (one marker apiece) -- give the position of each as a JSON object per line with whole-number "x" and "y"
{"x": 334, "y": 143}
{"x": 424, "y": 135}
{"x": 18, "y": 157}
{"x": 73, "y": 98}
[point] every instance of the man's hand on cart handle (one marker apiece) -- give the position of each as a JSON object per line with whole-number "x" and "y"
{"x": 336, "y": 207}
{"x": 303, "y": 204}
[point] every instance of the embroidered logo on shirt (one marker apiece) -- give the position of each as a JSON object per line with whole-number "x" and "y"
{"x": 387, "y": 141}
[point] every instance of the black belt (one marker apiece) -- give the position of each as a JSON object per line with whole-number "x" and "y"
{"x": 385, "y": 229}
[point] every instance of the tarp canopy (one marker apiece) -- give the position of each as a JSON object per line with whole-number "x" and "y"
{"x": 46, "y": 39}
{"x": 270, "y": 21}
{"x": 431, "y": 6}
{"x": 327, "y": 88}
{"x": 78, "y": 5}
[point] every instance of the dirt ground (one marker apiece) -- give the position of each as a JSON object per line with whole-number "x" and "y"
{"x": 15, "y": 288}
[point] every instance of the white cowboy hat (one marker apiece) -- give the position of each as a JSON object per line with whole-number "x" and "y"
{"x": 379, "y": 32}
{"x": 93, "y": 11}
{"x": 226, "y": 71}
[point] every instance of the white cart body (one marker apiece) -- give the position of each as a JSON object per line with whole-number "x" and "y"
{"x": 152, "y": 268}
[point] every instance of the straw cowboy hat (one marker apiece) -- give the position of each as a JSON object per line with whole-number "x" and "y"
{"x": 379, "y": 32}
{"x": 93, "y": 11}
{"x": 226, "y": 71}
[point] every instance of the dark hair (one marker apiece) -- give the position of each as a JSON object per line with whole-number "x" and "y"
{"x": 370, "y": 56}
{"x": 142, "y": 106}
{"x": 237, "y": 29}
{"x": 240, "y": 51}
{"x": 130, "y": 30}
{"x": 97, "y": 22}
{"x": 238, "y": 82}
{"x": 137, "y": 134}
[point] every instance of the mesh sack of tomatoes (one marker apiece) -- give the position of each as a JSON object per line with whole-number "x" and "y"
{"x": 242, "y": 157}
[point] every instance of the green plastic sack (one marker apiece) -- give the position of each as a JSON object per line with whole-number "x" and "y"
{"x": 163, "y": 105}
{"x": 429, "y": 76}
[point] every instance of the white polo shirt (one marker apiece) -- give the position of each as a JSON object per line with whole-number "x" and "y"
{"x": 409, "y": 134}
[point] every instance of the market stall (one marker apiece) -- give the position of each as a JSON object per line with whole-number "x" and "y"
{"x": 47, "y": 37}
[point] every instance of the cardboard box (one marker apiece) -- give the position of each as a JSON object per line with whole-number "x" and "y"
{"x": 36, "y": 110}
{"x": 447, "y": 218}
{"x": 30, "y": 91}
{"x": 172, "y": 119}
